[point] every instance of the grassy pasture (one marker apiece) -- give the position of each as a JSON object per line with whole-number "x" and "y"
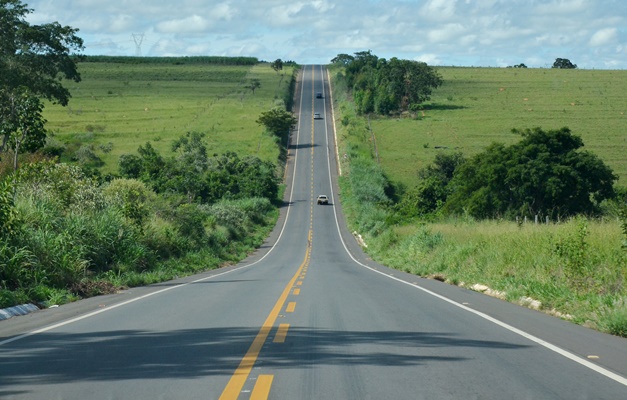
{"x": 477, "y": 106}
{"x": 130, "y": 104}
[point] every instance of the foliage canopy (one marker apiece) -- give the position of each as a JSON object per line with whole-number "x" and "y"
{"x": 33, "y": 60}
{"x": 36, "y": 56}
{"x": 544, "y": 174}
{"x": 563, "y": 63}
{"x": 196, "y": 176}
{"x": 386, "y": 86}
{"x": 277, "y": 121}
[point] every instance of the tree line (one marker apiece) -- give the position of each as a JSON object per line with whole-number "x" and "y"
{"x": 218, "y": 60}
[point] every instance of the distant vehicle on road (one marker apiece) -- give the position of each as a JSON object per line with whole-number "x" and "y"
{"x": 318, "y": 95}
{"x": 317, "y": 116}
{"x": 323, "y": 199}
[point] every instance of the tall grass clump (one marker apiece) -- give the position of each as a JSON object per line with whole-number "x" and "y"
{"x": 69, "y": 229}
{"x": 570, "y": 268}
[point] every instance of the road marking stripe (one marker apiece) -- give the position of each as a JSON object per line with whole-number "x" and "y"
{"x": 299, "y": 283}
{"x": 262, "y": 387}
{"x": 237, "y": 381}
{"x": 291, "y": 306}
{"x": 296, "y": 292}
{"x": 281, "y": 333}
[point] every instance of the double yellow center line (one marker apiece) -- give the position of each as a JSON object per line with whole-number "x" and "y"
{"x": 241, "y": 374}
{"x": 238, "y": 380}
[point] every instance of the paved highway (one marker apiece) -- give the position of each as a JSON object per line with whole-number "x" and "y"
{"x": 308, "y": 316}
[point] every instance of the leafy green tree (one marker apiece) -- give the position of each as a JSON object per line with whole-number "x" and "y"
{"x": 544, "y": 174}
{"x": 232, "y": 177}
{"x": 277, "y": 65}
{"x": 130, "y": 166}
{"x": 383, "y": 86}
{"x": 408, "y": 82}
{"x": 190, "y": 165}
{"x": 254, "y": 84}
{"x": 277, "y": 121}
{"x": 22, "y": 126}
{"x": 36, "y": 56}
{"x": 342, "y": 59}
{"x": 432, "y": 190}
{"x": 33, "y": 60}
{"x": 563, "y": 63}
{"x": 363, "y": 63}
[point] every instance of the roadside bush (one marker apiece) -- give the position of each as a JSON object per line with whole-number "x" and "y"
{"x": 16, "y": 267}
{"x": 85, "y": 155}
{"x": 189, "y": 220}
{"x": 55, "y": 254}
{"x": 256, "y": 209}
{"x": 67, "y": 184}
{"x": 574, "y": 253}
{"x": 107, "y": 241}
{"x": 8, "y": 214}
{"x": 10, "y": 298}
{"x": 616, "y": 321}
{"x": 368, "y": 182}
{"x": 53, "y": 147}
{"x": 132, "y": 197}
{"x": 164, "y": 240}
{"x": 232, "y": 217}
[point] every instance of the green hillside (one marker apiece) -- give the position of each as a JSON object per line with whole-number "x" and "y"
{"x": 477, "y": 106}
{"x": 128, "y": 104}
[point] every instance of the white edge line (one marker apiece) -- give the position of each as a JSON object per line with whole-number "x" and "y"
{"x": 93, "y": 313}
{"x": 607, "y": 373}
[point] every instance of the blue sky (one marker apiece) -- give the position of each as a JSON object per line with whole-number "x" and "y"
{"x": 489, "y": 33}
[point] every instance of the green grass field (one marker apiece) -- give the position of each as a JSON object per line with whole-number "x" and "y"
{"x": 477, "y": 106}
{"x": 130, "y": 104}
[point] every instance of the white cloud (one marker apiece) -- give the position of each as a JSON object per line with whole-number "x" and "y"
{"x": 121, "y": 23}
{"x": 603, "y": 37}
{"x": 223, "y": 11}
{"x": 447, "y": 33}
{"x": 431, "y": 59}
{"x": 194, "y": 23}
{"x": 439, "y": 9}
{"x": 565, "y": 6}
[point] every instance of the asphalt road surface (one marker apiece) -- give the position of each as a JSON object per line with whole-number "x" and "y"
{"x": 308, "y": 316}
